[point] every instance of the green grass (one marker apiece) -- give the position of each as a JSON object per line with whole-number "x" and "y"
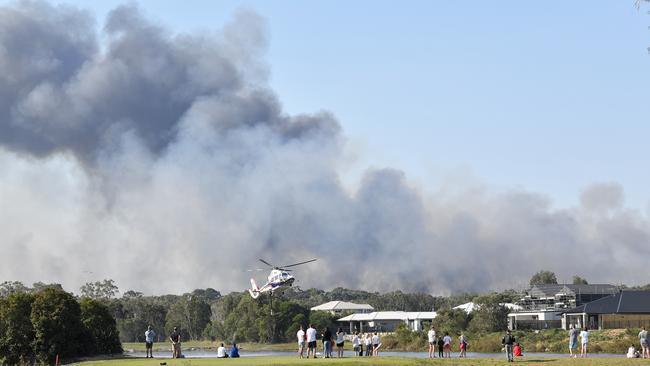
{"x": 398, "y": 361}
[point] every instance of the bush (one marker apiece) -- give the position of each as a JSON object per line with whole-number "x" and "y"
{"x": 100, "y": 328}
{"x": 16, "y": 330}
{"x": 55, "y": 315}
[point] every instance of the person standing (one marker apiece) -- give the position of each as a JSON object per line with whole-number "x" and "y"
{"x": 376, "y": 342}
{"x": 340, "y": 342}
{"x": 447, "y": 345}
{"x": 431, "y": 335}
{"x": 149, "y": 337}
{"x": 327, "y": 343}
{"x": 508, "y": 341}
{"x": 367, "y": 340}
{"x": 463, "y": 345}
{"x": 301, "y": 341}
{"x": 356, "y": 345}
{"x": 175, "y": 338}
{"x": 441, "y": 344}
{"x": 643, "y": 339}
{"x": 311, "y": 341}
{"x": 584, "y": 339}
{"x": 573, "y": 340}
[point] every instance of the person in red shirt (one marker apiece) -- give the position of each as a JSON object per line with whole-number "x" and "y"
{"x": 516, "y": 351}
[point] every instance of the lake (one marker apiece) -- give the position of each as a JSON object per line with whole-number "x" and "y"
{"x": 197, "y": 353}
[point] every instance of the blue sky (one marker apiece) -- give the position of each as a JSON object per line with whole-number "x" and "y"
{"x": 545, "y": 96}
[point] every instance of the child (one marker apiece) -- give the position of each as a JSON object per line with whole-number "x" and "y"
{"x": 516, "y": 350}
{"x": 441, "y": 351}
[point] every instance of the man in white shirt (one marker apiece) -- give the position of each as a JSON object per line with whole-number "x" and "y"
{"x": 431, "y": 335}
{"x": 149, "y": 336}
{"x": 301, "y": 341}
{"x": 311, "y": 341}
{"x": 375, "y": 344}
{"x": 221, "y": 352}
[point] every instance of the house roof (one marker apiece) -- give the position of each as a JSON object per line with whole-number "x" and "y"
{"x": 390, "y": 315}
{"x": 341, "y": 306}
{"x": 468, "y": 307}
{"x": 553, "y": 289}
{"x": 625, "y": 302}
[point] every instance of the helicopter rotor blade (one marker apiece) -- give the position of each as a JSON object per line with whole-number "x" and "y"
{"x": 267, "y": 263}
{"x": 297, "y": 264}
{"x": 255, "y": 269}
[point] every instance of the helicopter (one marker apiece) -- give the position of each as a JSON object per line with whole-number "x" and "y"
{"x": 278, "y": 278}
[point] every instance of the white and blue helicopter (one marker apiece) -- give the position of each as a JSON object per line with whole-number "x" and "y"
{"x": 278, "y": 279}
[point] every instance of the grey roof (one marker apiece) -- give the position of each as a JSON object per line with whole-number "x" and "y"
{"x": 626, "y": 302}
{"x": 552, "y": 290}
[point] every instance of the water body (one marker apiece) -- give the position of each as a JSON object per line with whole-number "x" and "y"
{"x": 212, "y": 354}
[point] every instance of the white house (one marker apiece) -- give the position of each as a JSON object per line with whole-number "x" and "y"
{"x": 387, "y": 321}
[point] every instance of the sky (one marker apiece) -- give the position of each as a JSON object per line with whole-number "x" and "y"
{"x": 547, "y": 96}
{"x": 186, "y": 140}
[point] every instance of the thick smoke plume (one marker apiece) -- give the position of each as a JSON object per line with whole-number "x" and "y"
{"x": 164, "y": 161}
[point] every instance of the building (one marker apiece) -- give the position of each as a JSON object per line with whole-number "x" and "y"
{"x": 469, "y": 307}
{"x": 541, "y": 306}
{"x": 626, "y": 309}
{"x": 338, "y": 307}
{"x": 387, "y": 321}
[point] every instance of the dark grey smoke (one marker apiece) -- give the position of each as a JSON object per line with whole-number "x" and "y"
{"x": 165, "y": 162}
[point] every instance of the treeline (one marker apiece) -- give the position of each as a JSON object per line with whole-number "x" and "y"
{"x": 207, "y": 314}
{"x": 40, "y": 323}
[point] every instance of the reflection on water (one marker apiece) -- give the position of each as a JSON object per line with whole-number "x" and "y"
{"x": 213, "y": 354}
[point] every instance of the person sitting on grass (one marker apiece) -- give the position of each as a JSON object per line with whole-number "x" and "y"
{"x": 234, "y": 351}
{"x": 632, "y": 352}
{"x": 221, "y": 352}
{"x": 516, "y": 350}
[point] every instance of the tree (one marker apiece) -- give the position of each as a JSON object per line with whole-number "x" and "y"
{"x": 191, "y": 315}
{"x": 16, "y": 330}
{"x": 100, "y": 290}
{"x": 11, "y": 287}
{"x": 55, "y": 316}
{"x": 543, "y": 278}
{"x": 577, "y": 280}
{"x": 490, "y": 314}
{"x": 100, "y": 328}
{"x": 451, "y": 320}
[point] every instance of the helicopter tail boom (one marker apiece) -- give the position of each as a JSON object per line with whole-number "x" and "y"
{"x": 254, "y": 291}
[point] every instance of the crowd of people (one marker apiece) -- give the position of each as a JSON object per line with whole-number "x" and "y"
{"x": 362, "y": 344}
{"x": 369, "y": 344}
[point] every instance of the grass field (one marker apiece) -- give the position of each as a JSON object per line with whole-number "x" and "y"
{"x": 399, "y": 361}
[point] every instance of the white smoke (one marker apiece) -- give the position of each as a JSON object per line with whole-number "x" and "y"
{"x": 164, "y": 162}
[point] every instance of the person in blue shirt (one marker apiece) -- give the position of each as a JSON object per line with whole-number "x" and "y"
{"x": 234, "y": 351}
